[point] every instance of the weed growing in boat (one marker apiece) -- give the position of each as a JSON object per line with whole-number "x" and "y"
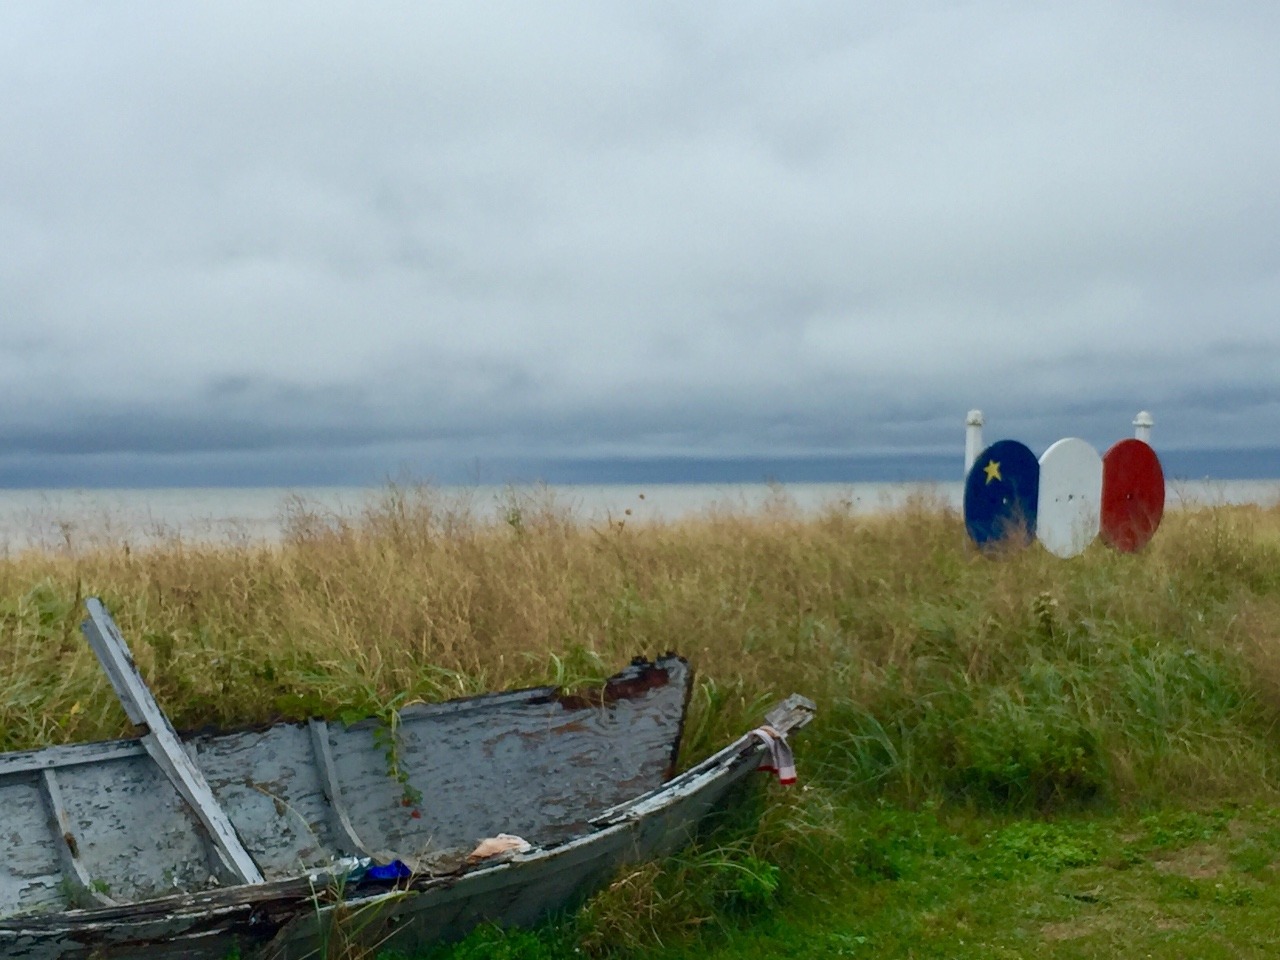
{"x": 386, "y": 736}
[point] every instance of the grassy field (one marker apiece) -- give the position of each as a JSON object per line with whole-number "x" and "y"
{"x": 1013, "y": 757}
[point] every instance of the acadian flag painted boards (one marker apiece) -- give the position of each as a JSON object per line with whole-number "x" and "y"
{"x": 1132, "y": 495}
{"x": 1070, "y": 497}
{"x": 1066, "y": 498}
{"x": 1001, "y": 494}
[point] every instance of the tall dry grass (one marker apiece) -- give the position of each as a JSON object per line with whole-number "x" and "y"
{"x": 1026, "y": 680}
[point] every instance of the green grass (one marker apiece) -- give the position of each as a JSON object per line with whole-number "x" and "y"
{"x": 942, "y": 883}
{"x": 995, "y": 739}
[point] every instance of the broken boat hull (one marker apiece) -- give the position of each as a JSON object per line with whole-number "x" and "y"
{"x": 115, "y": 861}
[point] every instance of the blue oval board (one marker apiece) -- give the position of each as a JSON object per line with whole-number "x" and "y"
{"x": 1001, "y": 495}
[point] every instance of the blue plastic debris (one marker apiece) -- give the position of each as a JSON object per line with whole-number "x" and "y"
{"x": 395, "y": 870}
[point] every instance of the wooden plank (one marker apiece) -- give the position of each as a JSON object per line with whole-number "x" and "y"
{"x": 83, "y": 893}
{"x": 332, "y": 789}
{"x": 161, "y": 741}
{"x": 791, "y": 714}
{"x": 68, "y": 755}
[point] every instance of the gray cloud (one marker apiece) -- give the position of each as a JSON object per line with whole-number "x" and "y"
{"x": 436, "y": 234}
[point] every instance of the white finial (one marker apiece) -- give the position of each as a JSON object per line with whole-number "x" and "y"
{"x": 1142, "y": 425}
{"x": 972, "y": 439}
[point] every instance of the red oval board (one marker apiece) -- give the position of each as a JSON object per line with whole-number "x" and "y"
{"x": 1132, "y": 495}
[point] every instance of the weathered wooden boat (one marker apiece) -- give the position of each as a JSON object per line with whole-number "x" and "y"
{"x": 286, "y": 840}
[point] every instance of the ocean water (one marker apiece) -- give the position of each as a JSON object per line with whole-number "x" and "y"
{"x": 61, "y": 519}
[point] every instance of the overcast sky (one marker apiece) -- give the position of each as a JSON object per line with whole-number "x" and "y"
{"x": 291, "y": 243}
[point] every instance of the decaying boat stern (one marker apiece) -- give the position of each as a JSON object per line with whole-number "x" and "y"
{"x": 280, "y": 839}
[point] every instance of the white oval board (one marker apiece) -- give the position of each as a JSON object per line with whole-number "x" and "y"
{"x": 1070, "y": 497}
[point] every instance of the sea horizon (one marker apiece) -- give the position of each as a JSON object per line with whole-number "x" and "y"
{"x": 348, "y": 471}
{"x": 79, "y": 518}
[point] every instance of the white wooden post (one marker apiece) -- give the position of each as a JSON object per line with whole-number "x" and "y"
{"x": 972, "y": 439}
{"x": 1142, "y": 425}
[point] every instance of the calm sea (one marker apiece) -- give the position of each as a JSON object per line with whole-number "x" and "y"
{"x": 82, "y": 518}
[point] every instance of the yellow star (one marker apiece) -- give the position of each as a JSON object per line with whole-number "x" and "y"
{"x": 992, "y": 470}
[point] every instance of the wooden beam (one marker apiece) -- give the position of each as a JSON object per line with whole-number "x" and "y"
{"x": 341, "y": 822}
{"x": 161, "y": 741}
{"x": 81, "y": 889}
{"x": 68, "y": 755}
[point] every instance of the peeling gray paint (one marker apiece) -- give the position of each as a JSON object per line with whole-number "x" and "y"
{"x": 579, "y": 777}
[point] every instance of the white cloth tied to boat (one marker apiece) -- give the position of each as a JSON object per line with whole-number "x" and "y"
{"x": 778, "y": 758}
